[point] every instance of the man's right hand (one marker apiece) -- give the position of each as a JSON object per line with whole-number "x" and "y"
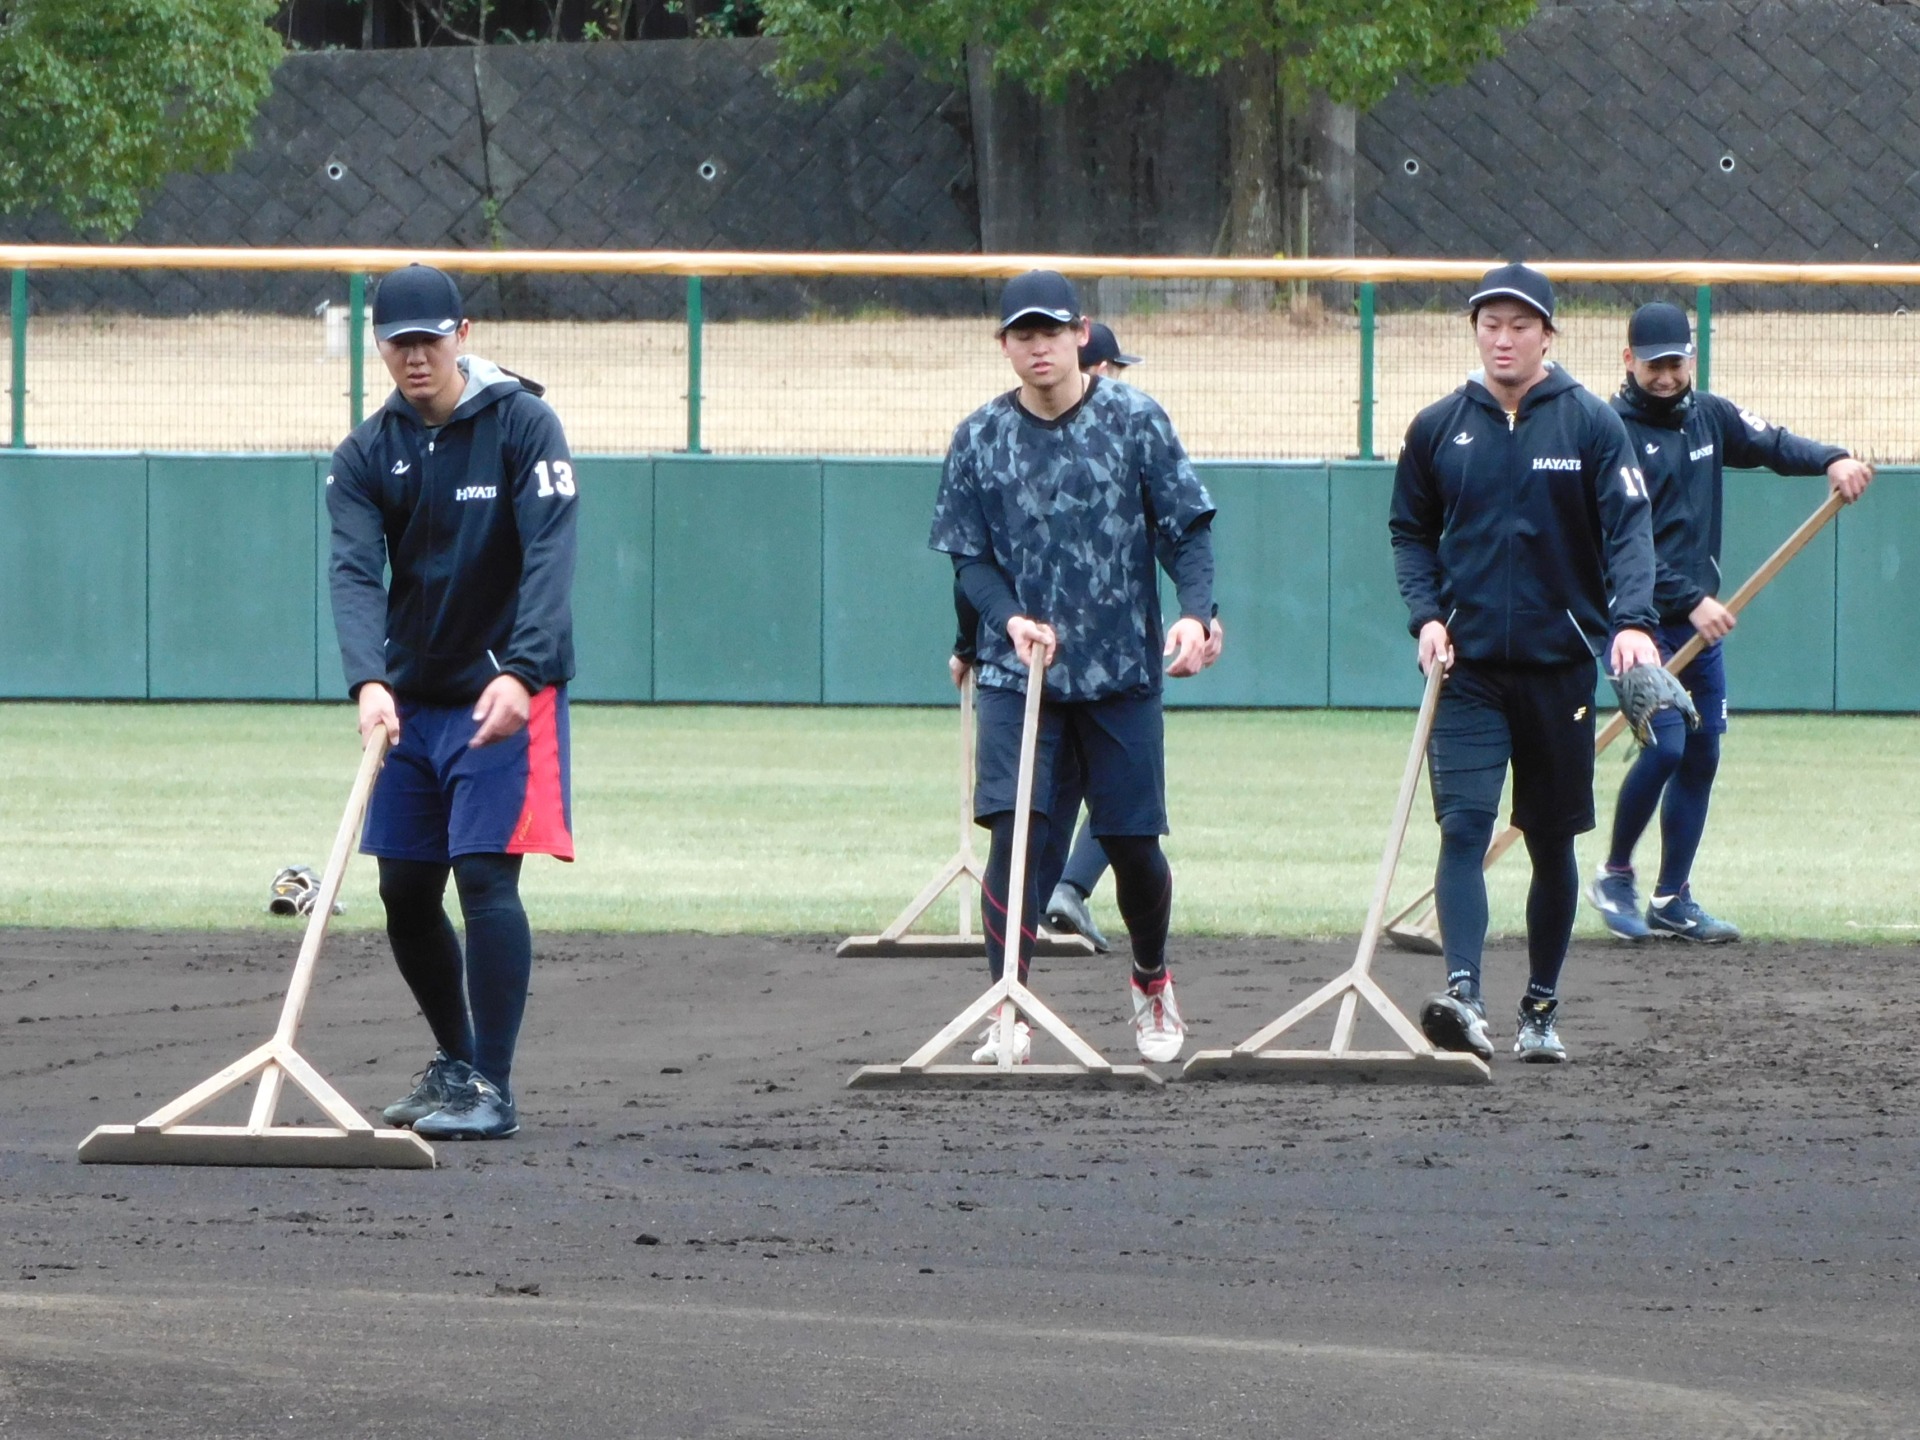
{"x": 1713, "y": 620}
{"x": 1027, "y": 635}
{"x": 1435, "y": 644}
{"x": 376, "y": 708}
{"x": 957, "y": 668}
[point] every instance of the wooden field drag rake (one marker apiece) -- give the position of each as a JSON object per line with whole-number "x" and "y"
{"x": 1417, "y": 928}
{"x": 1419, "y": 1062}
{"x": 1007, "y": 1000}
{"x": 349, "y": 1142}
{"x": 964, "y": 867}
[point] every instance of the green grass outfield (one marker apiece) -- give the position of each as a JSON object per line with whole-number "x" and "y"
{"x": 827, "y": 821}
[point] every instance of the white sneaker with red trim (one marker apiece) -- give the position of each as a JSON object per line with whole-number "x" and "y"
{"x": 1157, "y": 1025}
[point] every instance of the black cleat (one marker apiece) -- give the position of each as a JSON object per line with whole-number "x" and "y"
{"x": 1457, "y": 1020}
{"x": 443, "y": 1079}
{"x": 481, "y": 1111}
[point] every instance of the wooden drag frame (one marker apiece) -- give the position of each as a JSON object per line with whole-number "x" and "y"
{"x": 1417, "y": 928}
{"x": 163, "y": 1138}
{"x": 965, "y": 865}
{"x": 1419, "y": 1062}
{"x": 1006, "y": 999}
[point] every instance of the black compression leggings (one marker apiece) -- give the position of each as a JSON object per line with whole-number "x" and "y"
{"x": 474, "y": 1003}
{"x": 1460, "y": 898}
{"x": 1142, "y": 883}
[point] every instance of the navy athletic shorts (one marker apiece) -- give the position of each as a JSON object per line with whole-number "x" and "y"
{"x": 1705, "y": 678}
{"x": 1119, "y": 744}
{"x": 1539, "y": 717}
{"x": 437, "y": 798}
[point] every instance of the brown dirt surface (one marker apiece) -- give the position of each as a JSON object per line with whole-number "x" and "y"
{"x": 1263, "y": 384}
{"x": 1704, "y": 1226}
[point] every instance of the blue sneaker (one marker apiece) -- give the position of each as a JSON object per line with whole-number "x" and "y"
{"x": 1681, "y": 916}
{"x": 480, "y": 1110}
{"x": 1612, "y": 893}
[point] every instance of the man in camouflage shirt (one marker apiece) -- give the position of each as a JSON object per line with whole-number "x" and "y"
{"x": 1050, "y": 503}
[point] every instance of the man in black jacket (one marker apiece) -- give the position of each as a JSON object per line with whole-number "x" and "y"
{"x": 1681, "y": 441}
{"x": 1517, "y": 513}
{"x": 463, "y": 484}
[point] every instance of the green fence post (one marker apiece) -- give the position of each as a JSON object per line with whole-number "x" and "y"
{"x": 696, "y": 322}
{"x": 357, "y": 347}
{"x": 1703, "y": 335}
{"x": 19, "y": 359}
{"x": 1366, "y": 371}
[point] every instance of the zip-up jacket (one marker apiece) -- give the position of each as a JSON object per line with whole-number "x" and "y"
{"x": 1684, "y": 451}
{"x": 1526, "y": 534}
{"x": 476, "y": 519}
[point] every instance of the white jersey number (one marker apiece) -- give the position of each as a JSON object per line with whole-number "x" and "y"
{"x": 1635, "y": 482}
{"x": 555, "y": 477}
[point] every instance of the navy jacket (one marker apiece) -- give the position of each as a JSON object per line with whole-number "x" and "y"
{"x": 477, "y": 521}
{"x": 1683, "y": 452}
{"x": 1527, "y": 535}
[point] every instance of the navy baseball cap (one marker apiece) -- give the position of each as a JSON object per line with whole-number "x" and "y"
{"x": 1044, "y": 294}
{"x": 1103, "y": 348}
{"x": 416, "y": 300}
{"x": 1659, "y": 331}
{"x": 1515, "y": 282}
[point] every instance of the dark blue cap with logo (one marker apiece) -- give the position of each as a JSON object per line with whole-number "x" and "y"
{"x": 416, "y": 300}
{"x": 1515, "y": 282}
{"x": 1043, "y": 295}
{"x": 1659, "y": 331}
{"x": 1102, "y": 348}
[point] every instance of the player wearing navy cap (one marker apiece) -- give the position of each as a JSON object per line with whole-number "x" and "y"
{"x": 1682, "y": 440}
{"x": 1521, "y": 543}
{"x": 462, "y": 484}
{"x": 1050, "y": 503}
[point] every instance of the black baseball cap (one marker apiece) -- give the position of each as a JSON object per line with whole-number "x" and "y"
{"x": 416, "y": 300}
{"x": 1045, "y": 294}
{"x": 1103, "y": 348}
{"x": 1659, "y": 331}
{"x": 1515, "y": 282}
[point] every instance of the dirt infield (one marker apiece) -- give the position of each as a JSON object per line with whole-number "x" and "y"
{"x": 1703, "y": 1227}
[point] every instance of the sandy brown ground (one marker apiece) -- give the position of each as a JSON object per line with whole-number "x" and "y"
{"x": 1239, "y": 385}
{"x": 1703, "y": 1227}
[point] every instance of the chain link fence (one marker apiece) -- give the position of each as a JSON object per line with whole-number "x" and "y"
{"x": 848, "y": 364}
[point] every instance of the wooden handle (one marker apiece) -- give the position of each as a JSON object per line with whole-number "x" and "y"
{"x": 371, "y": 758}
{"x": 1023, "y": 812}
{"x": 1402, "y": 812}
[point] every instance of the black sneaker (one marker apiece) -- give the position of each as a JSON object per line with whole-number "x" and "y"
{"x": 1680, "y": 915}
{"x": 443, "y": 1079}
{"x": 1534, "y": 1039}
{"x": 481, "y": 1111}
{"x": 1457, "y": 1020}
{"x": 1067, "y": 910}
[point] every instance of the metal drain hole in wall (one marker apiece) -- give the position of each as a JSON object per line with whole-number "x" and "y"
{"x": 1410, "y": 165}
{"x": 708, "y": 170}
{"x": 335, "y": 170}
{"x": 1726, "y": 164}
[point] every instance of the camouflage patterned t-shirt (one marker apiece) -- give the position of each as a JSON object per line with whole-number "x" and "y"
{"x": 1065, "y": 509}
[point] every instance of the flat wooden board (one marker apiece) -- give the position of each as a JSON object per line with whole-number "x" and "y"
{"x": 954, "y": 947}
{"x": 986, "y": 1077}
{"x": 1420, "y": 942}
{"x": 292, "y": 1146}
{"x": 1363, "y": 1067}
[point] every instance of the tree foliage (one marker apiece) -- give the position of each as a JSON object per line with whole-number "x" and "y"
{"x": 1354, "y": 50}
{"x": 101, "y": 101}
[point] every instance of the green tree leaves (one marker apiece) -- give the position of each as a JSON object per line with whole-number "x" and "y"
{"x": 102, "y": 101}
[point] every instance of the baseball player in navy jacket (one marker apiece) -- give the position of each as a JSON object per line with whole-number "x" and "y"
{"x": 461, "y": 483}
{"x": 1682, "y": 440}
{"x": 1523, "y": 549}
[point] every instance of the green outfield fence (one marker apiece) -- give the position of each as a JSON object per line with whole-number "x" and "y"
{"x": 735, "y": 353}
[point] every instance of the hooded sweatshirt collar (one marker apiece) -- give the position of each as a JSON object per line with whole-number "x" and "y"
{"x": 486, "y": 383}
{"x": 1668, "y": 414}
{"x": 1556, "y": 382}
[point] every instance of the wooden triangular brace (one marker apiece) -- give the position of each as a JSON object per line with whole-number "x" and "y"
{"x": 163, "y": 1139}
{"x": 1419, "y": 1061}
{"x": 964, "y": 867}
{"x": 1004, "y": 1002}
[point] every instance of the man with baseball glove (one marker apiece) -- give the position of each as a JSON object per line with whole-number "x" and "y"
{"x": 1050, "y": 505}
{"x": 463, "y": 486}
{"x": 1682, "y": 440}
{"x": 1523, "y": 550}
